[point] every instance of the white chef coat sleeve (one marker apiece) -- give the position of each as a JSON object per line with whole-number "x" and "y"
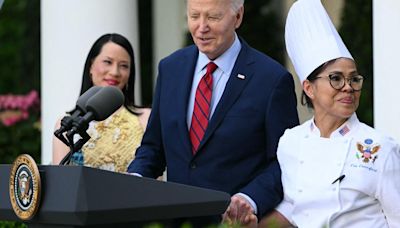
{"x": 388, "y": 192}
{"x": 286, "y": 209}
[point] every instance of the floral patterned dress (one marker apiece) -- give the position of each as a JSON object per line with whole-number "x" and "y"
{"x": 113, "y": 142}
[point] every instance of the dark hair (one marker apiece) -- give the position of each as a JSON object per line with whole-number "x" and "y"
{"x": 129, "y": 89}
{"x": 305, "y": 100}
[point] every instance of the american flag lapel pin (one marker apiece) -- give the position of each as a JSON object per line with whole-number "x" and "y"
{"x": 241, "y": 76}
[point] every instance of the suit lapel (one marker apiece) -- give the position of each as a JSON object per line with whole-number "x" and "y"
{"x": 233, "y": 89}
{"x": 186, "y": 71}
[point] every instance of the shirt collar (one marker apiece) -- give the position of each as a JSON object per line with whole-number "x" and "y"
{"x": 344, "y": 130}
{"x": 224, "y": 62}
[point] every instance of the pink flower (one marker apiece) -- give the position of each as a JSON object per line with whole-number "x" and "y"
{"x": 11, "y": 120}
{"x": 15, "y": 108}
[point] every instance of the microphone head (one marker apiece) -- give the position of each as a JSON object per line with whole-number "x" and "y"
{"x": 105, "y": 102}
{"x": 82, "y": 100}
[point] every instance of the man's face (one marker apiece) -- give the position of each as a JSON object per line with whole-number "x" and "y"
{"x": 212, "y": 24}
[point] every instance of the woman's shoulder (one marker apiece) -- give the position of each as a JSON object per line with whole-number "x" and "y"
{"x": 372, "y": 135}
{"x": 143, "y": 111}
{"x": 380, "y": 146}
{"x": 143, "y": 116}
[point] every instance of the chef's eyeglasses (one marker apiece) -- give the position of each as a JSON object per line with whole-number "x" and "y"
{"x": 338, "y": 81}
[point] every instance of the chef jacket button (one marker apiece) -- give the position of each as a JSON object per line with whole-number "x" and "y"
{"x": 300, "y": 190}
{"x": 301, "y": 162}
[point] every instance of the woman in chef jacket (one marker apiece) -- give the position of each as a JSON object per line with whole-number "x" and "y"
{"x": 336, "y": 171}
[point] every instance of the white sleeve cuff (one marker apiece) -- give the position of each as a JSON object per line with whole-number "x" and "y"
{"x": 286, "y": 209}
{"x": 252, "y": 203}
{"x": 135, "y": 174}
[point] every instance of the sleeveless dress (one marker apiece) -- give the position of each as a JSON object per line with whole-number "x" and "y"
{"x": 113, "y": 142}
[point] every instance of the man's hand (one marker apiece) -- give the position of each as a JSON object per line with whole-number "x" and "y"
{"x": 240, "y": 212}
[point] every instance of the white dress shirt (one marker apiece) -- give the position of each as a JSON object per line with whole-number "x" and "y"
{"x": 225, "y": 64}
{"x": 367, "y": 196}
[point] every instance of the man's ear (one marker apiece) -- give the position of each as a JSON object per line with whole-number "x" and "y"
{"x": 239, "y": 17}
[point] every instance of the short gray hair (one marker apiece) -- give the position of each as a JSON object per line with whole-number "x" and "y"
{"x": 236, "y": 4}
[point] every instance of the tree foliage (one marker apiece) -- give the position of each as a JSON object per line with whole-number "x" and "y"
{"x": 356, "y": 31}
{"x": 262, "y": 28}
{"x": 19, "y": 73}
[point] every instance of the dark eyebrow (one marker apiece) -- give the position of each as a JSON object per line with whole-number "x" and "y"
{"x": 336, "y": 72}
{"x": 351, "y": 74}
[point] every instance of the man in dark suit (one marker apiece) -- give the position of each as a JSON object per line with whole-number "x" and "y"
{"x": 220, "y": 132}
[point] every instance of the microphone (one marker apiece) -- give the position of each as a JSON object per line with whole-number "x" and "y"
{"x": 80, "y": 109}
{"x": 111, "y": 96}
{"x": 98, "y": 107}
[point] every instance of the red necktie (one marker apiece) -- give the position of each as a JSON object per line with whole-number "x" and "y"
{"x": 201, "y": 110}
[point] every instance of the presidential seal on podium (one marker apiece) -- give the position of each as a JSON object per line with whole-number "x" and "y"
{"x": 25, "y": 187}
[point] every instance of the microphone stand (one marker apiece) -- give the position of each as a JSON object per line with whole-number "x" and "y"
{"x": 80, "y": 127}
{"x": 74, "y": 147}
{"x": 66, "y": 123}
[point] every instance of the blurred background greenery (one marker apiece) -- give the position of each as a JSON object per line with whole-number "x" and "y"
{"x": 356, "y": 31}
{"x": 20, "y": 74}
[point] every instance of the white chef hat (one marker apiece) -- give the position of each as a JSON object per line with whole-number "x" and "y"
{"x": 311, "y": 38}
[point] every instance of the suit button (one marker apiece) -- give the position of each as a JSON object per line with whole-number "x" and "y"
{"x": 192, "y": 165}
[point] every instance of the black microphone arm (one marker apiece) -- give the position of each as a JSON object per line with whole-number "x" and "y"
{"x": 100, "y": 106}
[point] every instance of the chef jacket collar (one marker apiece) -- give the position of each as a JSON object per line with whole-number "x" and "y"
{"x": 344, "y": 130}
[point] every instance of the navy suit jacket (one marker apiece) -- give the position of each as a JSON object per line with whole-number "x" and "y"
{"x": 238, "y": 151}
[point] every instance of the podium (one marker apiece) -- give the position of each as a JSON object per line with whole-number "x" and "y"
{"x": 78, "y": 196}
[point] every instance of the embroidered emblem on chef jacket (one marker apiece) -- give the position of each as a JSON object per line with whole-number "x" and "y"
{"x": 367, "y": 151}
